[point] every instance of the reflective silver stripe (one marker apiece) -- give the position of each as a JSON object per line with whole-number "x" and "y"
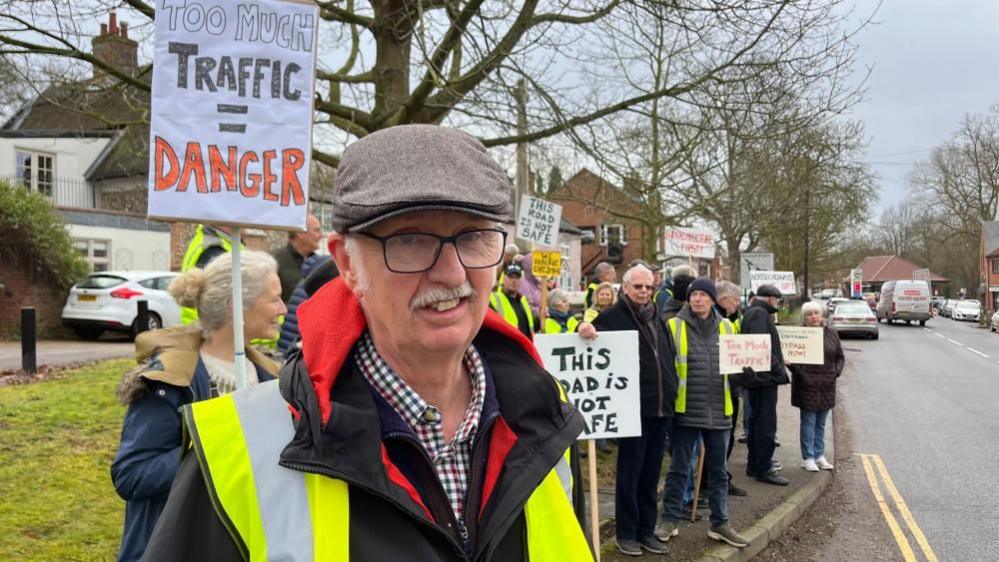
{"x": 564, "y": 473}
{"x": 281, "y": 494}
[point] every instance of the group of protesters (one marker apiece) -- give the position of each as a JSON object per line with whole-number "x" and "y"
{"x": 404, "y": 405}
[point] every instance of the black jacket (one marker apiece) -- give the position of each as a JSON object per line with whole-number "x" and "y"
{"x": 657, "y": 375}
{"x": 758, "y": 319}
{"x": 346, "y": 431}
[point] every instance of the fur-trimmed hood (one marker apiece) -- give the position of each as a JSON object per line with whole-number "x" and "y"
{"x": 171, "y": 356}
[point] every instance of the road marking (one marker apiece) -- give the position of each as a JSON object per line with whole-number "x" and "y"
{"x": 896, "y": 531}
{"x": 938, "y": 335}
{"x": 955, "y": 342}
{"x": 973, "y": 350}
{"x": 870, "y": 461}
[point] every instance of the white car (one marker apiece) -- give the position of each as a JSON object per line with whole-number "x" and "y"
{"x": 967, "y": 310}
{"x": 108, "y": 301}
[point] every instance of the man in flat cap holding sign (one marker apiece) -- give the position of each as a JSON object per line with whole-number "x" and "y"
{"x": 414, "y": 424}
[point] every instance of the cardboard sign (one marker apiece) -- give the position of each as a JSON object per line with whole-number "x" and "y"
{"x": 783, "y": 280}
{"x": 539, "y": 221}
{"x": 688, "y": 242}
{"x": 600, "y": 378}
{"x": 750, "y": 262}
{"x": 231, "y": 129}
{"x": 743, "y": 350}
{"x": 802, "y": 345}
{"x": 546, "y": 263}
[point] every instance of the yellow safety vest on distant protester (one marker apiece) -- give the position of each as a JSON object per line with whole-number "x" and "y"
{"x": 553, "y": 327}
{"x": 501, "y": 303}
{"x": 284, "y": 514}
{"x": 678, "y": 329}
{"x": 202, "y": 241}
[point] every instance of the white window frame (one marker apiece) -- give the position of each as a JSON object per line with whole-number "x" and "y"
{"x": 96, "y": 263}
{"x": 32, "y": 183}
{"x": 565, "y": 280}
{"x": 622, "y": 229}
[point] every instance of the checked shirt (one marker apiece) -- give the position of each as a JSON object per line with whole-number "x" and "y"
{"x": 452, "y": 461}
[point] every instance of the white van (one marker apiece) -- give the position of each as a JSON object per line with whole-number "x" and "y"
{"x": 905, "y": 300}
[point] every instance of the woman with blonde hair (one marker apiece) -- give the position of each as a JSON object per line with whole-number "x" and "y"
{"x": 186, "y": 364}
{"x": 813, "y": 390}
{"x": 604, "y": 297}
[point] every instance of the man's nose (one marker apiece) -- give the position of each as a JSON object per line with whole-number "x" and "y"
{"x": 448, "y": 270}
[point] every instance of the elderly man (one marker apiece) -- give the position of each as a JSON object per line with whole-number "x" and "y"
{"x": 761, "y": 389}
{"x": 292, "y": 255}
{"x": 414, "y": 424}
{"x": 603, "y": 272}
{"x": 510, "y": 304}
{"x": 640, "y": 459}
{"x": 729, "y": 306}
{"x": 703, "y": 411}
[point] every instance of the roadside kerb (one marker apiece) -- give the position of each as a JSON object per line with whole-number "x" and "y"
{"x": 767, "y": 529}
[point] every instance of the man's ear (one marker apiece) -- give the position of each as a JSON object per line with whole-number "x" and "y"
{"x": 337, "y": 245}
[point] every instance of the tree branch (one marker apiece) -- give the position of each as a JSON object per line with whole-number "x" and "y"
{"x": 330, "y": 11}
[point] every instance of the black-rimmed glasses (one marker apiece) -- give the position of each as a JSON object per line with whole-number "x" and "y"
{"x": 416, "y": 252}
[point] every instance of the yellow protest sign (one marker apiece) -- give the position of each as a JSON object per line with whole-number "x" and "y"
{"x": 546, "y": 264}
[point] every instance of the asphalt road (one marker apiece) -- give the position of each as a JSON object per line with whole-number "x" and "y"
{"x": 916, "y": 425}
{"x": 60, "y": 352}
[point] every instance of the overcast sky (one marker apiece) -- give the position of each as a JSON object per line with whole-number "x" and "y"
{"x": 932, "y": 61}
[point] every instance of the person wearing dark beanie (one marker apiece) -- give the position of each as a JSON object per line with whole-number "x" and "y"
{"x": 683, "y": 276}
{"x": 704, "y": 284}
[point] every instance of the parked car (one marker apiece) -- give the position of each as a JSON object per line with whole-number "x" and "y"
{"x": 828, "y": 294}
{"x": 904, "y": 300}
{"x": 107, "y": 301}
{"x": 948, "y": 307}
{"x": 994, "y": 322}
{"x": 855, "y": 317}
{"x": 937, "y": 303}
{"x": 967, "y": 310}
{"x": 831, "y": 304}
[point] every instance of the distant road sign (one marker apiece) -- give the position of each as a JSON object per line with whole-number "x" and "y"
{"x": 758, "y": 261}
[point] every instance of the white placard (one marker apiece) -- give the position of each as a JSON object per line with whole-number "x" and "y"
{"x": 743, "y": 350}
{"x": 754, "y": 261}
{"x": 783, "y": 280}
{"x": 688, "y": 242}
{"x": 802, "y": 345}
{"x": 600, "y": 378}
{"x": 539, "y": 221}
{"x": 231, "y": 130}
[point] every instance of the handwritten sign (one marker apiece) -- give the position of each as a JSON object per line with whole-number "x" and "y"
{"x": 688, "y": 242}
{"x": 231, "y": 126}
{"x": 743, "y": 350}
{"x": 802, "y": 345}
{"x": 546, "y": 263}
{"x": 539, "y": 221}
{"x": 600, "y": 377}
{"x": 783, "y": 280}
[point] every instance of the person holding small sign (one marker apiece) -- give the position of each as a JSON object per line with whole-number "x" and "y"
{"x": 813, "y": 390}
{"x": 640, "y": 459}
{"x": 703, "y": 411}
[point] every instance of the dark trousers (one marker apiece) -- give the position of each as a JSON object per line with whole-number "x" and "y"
{"x": 639, "y": 464}
{"x": 735, "y": 422}
{"x": 762, "y": 429}
{"x": 715, "y": 467}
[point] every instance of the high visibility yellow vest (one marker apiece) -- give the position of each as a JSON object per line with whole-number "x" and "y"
{"x": 591, "y": 293}
{"x": 202, "y": 240}
{"x": 553, "y": 327}
{"x": 284, "y": 514}
{"x": 678, "y": 329}
{"x": 501, "y": 303}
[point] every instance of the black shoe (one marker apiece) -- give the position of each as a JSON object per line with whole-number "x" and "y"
{"x": 603, "y": 446}
{"x": 653, "y": 545}
{"x": 742, "y": 438}
{"x": 773, "y": 477}
{"x": 734, "y": 490}
{"x": 629, "y": 547}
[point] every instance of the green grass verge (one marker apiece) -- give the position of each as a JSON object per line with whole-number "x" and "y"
{"x": 57, "y": 441}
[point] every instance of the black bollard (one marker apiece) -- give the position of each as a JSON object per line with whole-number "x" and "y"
{"x": 29, "y": 340}
{"x": 142, "y": 320}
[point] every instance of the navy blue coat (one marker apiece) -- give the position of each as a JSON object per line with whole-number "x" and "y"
{"x": 289, "y": 330}
{"x": 150, "y": 451}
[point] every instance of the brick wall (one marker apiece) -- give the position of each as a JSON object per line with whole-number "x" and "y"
{"x": 22, "y": 289}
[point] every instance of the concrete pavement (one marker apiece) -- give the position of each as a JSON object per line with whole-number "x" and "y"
{"x": 61, "y": 352}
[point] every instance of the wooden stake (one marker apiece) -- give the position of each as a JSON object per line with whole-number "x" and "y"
{"x": 697, "y": 484}
{"x": 591, "y": 448}
{"x": 543, "y": 309}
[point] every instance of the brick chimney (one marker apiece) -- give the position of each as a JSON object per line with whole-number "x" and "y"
{"x": 114, "y": 47}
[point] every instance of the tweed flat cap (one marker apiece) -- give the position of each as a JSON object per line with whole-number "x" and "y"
{"x": 768, "y": 291}
{"x": 412, "y": 168}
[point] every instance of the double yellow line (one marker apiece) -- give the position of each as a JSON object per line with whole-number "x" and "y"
{"x": 870, "y": 462}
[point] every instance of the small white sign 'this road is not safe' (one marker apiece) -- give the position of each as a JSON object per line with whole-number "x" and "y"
{"x": 231, "y": 128}
{"x": 783, "y": 280}
{"x": 539, "y": 221}
{"x": 802, "y": 345}
{"x": 743, "y": 350}
{"x": 600, "y": 378}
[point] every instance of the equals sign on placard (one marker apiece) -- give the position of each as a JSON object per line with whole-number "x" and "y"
{"x": 236, "y": 110}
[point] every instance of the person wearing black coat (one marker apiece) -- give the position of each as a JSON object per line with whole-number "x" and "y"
{"x": 762, "y": 388}
{"x": 813, "y": 390}
{"x": 640, "y": 459}
{"x": 327, "y": 271}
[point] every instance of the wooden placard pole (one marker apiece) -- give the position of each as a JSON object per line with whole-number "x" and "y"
{"x": 543, "y": 309}
{"x": 238, "y": 345}
{"x": 591, "y": 448}
{"x": 697, "y": 484}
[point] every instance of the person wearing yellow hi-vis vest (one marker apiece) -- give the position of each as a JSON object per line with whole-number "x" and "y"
{"x": 414, "y": 423}
{"x": 559, "y": 320}
{"x": 510, "y": 304}
{"x": 208, "y": 243}
{"x": 702, "y": 412}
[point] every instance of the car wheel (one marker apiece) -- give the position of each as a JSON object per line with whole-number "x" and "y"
{"x": 908, "y": 322}
{"x": 922, "y": 322}
{"x": 875, "y": 336}
{"x": 89, "y": 334}
{"x": 155, "y": 323}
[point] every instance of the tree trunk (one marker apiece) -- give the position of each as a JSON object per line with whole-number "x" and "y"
{"x": 393, "y": 37}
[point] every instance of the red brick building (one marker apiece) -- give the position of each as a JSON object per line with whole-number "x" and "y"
{"x": 988, "y": 265}
{"x": 615, "y": 240}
